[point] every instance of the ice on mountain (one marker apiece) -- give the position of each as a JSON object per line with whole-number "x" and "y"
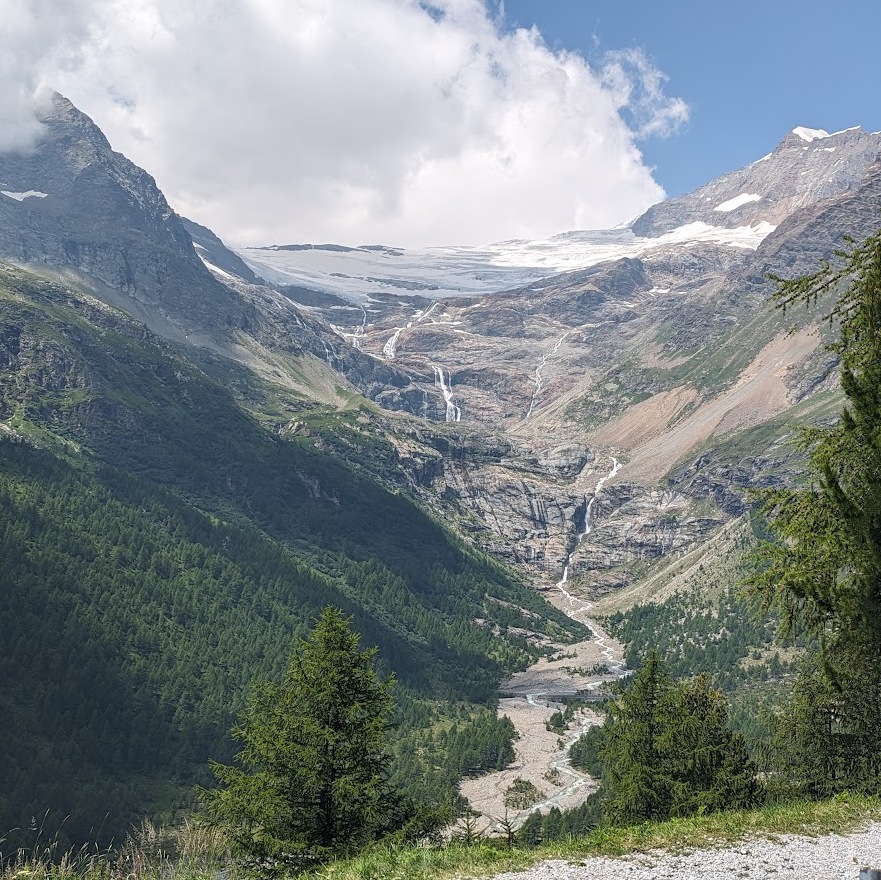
{"x": 737, "y": 201}
{"x": 21, "y": 196}
{"x": 810, "y": 134}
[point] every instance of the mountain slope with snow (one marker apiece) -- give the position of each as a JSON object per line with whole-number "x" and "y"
{"x": 738, "y": 210}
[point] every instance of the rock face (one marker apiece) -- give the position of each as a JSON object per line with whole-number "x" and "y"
{"x": 673, "y": 362}
{"x": 807, "y": 167}
{"x": 77, "y": 204}
{"x": 74, "y": 205}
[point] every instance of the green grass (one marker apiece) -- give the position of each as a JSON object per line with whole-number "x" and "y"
{"x": 486, "y": 858}
{"x": 195, "y": 852}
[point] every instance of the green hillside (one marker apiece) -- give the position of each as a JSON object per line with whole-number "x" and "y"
{"x": 160, "y": 550}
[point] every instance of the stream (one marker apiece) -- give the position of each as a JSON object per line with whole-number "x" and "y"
{"x": 531, "y": 703}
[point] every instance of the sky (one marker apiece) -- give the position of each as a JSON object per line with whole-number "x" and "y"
{"x": 432, "y": 122}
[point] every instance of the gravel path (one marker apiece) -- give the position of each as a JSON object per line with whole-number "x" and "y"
{"x": 832, "y": 857}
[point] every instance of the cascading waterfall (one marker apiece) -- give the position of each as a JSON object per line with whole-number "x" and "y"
{"x": 389, "y": 349}
{"x": 538, "y": 379}
{"x": 588, "y": 515}
{"x": 454, "y": 414}
{"x": 616, "y": 666}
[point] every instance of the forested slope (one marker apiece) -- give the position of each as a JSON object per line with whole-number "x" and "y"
{"x": 160, "y": 550}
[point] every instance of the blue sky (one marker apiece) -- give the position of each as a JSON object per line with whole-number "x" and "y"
{"x": 434, "y": 122}
{"x": 749, "y": 71}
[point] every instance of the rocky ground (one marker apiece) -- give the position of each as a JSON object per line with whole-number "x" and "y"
{"x": 831, "y": 857}
{"x": 529, "y": 701}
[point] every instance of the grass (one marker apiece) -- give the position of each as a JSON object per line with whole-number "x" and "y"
{"x": 196, "y": 852}
{"x": 188, "y": 852}
{"x": 486, "y": 858}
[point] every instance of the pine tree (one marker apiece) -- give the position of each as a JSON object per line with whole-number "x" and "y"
{"x": 824, "y": 572}
{"x": 312, "y": 777}
{"x": 637, "y": 784}
{"x": 668, "y": 751}
{"x": 708, "y": 763}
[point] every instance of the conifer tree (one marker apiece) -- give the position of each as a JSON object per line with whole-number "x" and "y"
{"x": 636, "y": 782}
{"x": 708, "y": 763}
{"x": 312, "y": 777}
{"x": 668, "y": 751}
{"x": 824, "y": 572}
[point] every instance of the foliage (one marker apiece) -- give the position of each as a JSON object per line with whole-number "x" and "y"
{"x": 196, "y": 858}
{"x": 586, "y": 750}
{"x": 824, "y": 572}
{"x": 696, "y": 635}
{"x": 312, "y": 781}
{"x": 522, "y": 794}
{"x": 668, "y": 751}
{"x": 435, "y": 745}
{"x": 561, "y": 824}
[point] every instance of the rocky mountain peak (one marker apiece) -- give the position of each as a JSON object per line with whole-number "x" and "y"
{"x": 806, "y": 167}
{"x": 62, "y": 120}
{"x": 73, "y": 202}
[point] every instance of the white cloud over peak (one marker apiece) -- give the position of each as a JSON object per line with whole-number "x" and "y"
{"x": 355, "y": 121}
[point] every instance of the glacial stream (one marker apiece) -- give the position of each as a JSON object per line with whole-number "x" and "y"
{"x": 542, "y": 755}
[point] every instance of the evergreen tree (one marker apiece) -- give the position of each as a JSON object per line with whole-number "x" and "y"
{"x": 636, "y": 781}
{"x": 312, "y": 781}
{"x": 709, "y": 765}
{"x": 824, "y": 572}
{"x": 667, "y": 750}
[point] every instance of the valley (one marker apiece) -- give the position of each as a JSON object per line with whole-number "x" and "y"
{"x": 474, "y": 452}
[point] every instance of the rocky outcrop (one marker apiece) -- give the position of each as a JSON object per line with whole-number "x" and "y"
{"x": 77, "y": 204}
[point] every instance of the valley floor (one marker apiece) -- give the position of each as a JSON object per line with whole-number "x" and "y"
{"x": 530, "y": 699}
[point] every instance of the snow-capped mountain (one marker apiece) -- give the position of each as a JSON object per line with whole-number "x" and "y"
{"x": 808, "y": 166}
{"x": 522, "y": 368}
{"x": 737, "y": 210}
{"x": 358, "y": 273}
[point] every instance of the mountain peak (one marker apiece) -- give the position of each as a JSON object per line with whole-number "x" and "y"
{"x": 807, "y": 166}
{"x": 74, "y": 202}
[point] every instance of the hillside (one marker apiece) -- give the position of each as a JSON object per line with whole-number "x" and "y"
{"x": 160, "y": 551}
{"x": 201, "y": 448}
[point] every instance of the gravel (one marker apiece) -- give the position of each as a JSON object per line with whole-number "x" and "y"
{"x": 831, "y": 857}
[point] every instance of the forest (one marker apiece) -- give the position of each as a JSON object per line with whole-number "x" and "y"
{"x": 163, "y": 554}
{"x": 161, "y": 550}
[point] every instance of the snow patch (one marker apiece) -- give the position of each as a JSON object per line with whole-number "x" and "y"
{"x": 740, "y": 236}
{"x": 215, "y": 269}
{"x": 21, "y": 196}
{"x": 737, "y": 201}
{"x": 810, "y": 134}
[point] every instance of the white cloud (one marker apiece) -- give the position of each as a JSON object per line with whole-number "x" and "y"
{"x": 638, "y": 87}
{"x": 360, "y": 120}
{"x": 34, "y": 35}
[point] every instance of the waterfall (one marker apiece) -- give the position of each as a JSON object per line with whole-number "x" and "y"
{"x": 454, "y": 414}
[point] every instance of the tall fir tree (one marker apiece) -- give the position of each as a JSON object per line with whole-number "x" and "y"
{"x": 636, "y": 782}
{"x": 311, "y": 781}
{"x": 668, "y": 751}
